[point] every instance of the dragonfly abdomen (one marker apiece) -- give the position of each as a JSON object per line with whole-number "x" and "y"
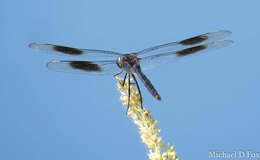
{"x": 148, "y": 84}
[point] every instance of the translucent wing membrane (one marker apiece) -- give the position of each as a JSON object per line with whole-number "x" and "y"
{"x": 187, "y": 43}
{"x": 154, "y": 60}
{"x": 156, "y": 55}
{"x": 84, "y": 67}
{"x": 72, "y": 52}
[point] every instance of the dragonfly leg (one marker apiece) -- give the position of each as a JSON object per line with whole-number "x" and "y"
{"x": 129, "y": 92}
{"x": 124, "y": 80}
{"x": 118, "y": 73}
{"x": 139, "y": 91}
{"x": 122, "y": 84}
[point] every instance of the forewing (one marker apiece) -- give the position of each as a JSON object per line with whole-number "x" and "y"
{"x": 187, "y": 43}
{"x": 72, "y": 52}
{"x": 154, "y": 60}
{"x": 84, "y": 67}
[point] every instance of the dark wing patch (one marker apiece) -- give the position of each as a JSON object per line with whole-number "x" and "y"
{"x": 67, "y": 50}
{"x": 157, "y": 60}
{"x": 85, "y": 65}
{"x": 187, "y": 43}
{"x": 108, "y": 67}
{"x": 194, "y": 40}
{"x": 60, "y": 50}
{"x": 191, "y": 50}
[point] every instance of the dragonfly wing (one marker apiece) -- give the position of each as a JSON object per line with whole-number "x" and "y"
{"x": 154, "y": 60}
{"x": 84, "y": 67}
{"x": 187, "y": 43}
{"x": 72, "y": 52}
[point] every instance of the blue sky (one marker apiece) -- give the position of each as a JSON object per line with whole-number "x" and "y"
{"x": 210, "y": 101}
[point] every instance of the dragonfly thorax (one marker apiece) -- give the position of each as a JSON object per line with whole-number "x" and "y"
{"x": 128, "y": 61}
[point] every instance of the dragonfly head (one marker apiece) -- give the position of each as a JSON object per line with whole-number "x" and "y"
{"x": 127, "y": 61}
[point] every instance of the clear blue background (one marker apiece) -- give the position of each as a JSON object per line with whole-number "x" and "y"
{"x": 210, "y": 101}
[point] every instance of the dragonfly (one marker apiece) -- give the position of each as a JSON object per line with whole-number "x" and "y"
{"x": 132, "y": 64}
